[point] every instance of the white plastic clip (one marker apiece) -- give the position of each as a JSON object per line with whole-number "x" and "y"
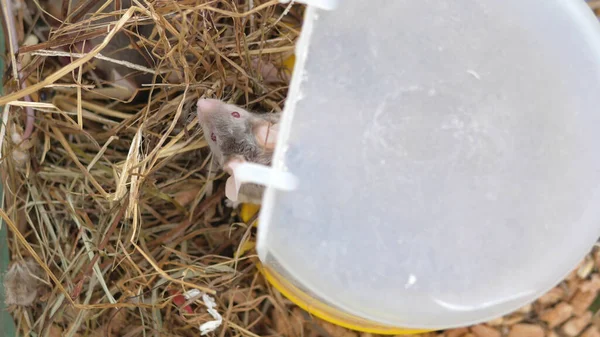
{"x": 327, "y": 5}
{"x": 264, "y": 175}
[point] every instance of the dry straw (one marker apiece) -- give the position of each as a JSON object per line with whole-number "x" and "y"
{"x": 115, "y": 214}
{"x": 113, "y": 196}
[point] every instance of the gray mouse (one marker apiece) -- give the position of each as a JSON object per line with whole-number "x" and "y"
{"x": 236, "y": 135}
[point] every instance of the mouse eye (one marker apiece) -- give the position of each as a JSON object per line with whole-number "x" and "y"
{"x": 235, "y": 114}
{"x": 213, "y": 137}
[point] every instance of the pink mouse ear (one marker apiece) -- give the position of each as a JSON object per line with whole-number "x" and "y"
{"x": 266, "y": 134}
{"x": 232, "y": 186}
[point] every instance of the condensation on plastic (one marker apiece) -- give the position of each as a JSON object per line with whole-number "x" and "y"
{"x": 446, "y": 154}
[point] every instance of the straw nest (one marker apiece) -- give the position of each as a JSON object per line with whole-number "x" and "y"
{"x": 113, "y": 208}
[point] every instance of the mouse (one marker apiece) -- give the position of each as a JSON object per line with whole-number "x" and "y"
{"x": 234, "y": 136}
{"x": 119, "y": 48}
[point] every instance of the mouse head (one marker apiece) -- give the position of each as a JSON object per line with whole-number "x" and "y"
{"x": 234, "y": 132}
{"x": 235, "y": 135}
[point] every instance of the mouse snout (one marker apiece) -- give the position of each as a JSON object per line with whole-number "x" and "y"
{"x": 207, "y": 107}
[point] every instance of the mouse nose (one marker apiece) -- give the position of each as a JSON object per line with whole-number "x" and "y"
{"x": 207, "y": 107}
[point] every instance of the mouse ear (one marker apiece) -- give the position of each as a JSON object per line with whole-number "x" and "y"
{"x": 266, "y": 134}
{"x": 232, "y": 186}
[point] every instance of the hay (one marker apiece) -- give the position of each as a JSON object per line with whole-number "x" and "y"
{"x": 115, "y": 198}
{"x": 114, "y": 195}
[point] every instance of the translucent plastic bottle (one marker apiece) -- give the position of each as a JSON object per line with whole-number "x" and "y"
{"x": 446, "y": 156}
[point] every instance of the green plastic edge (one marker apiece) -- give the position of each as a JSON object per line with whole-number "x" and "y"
{"x": 7, "y": 325}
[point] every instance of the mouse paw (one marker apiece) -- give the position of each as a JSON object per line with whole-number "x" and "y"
{"x": 232, "y": 204}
